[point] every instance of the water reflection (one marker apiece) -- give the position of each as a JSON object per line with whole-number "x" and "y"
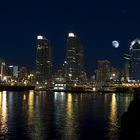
{"x": 24, "y": 97}
{"x": 113, "y": 112}
{"x": 3, "y": 113}
{"x": 59, "y": 96}
{"x": 35, "y": 123}
{"x": 42, "y": 115}
{"x": 69, "y": 109}
{"x": 118, "y": 104}
{"x": 30, "y": 105}
{"x": 127, "y": 101}
{"x": 113, "y": 117}
{"x": 71, "y": 120}
{"x": 66, "y": 115}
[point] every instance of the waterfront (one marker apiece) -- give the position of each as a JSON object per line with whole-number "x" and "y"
{"x": 62, "y": 116}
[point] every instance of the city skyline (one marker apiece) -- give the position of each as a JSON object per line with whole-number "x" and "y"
{"x": 70, "y": 69}
{"x": 96, "y": 23}
{"x": 95, "y": 64}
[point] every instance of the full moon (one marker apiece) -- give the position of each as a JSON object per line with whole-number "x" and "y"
{"x": 115, "y": 44}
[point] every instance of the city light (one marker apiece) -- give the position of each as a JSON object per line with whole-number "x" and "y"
{"x": 39, "y": 37}
{"x": 113, "y": 74}
{"x": 72, "y": 71}
{"x": 133, "y": 42}
{"x": 71, "y": 35}
{"x": 70, "y": 74}
{"x": 11, "y": 66}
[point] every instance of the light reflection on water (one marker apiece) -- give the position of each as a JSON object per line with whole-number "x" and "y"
{"x": 41, "y": 115}
{"x": 113, "y": 122}
{"x": 115, "y": 110}
{"x": 30, "y": 106}
{"x": 3, "y": 113}
{"x": 69, "y": 129}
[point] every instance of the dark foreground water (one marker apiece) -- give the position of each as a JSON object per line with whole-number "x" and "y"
{"x": 61, "y": 116}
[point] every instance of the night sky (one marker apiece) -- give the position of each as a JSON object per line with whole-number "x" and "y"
{"x": 96, "y": 22}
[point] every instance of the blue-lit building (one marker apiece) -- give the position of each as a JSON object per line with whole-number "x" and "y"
{"x": 135, "y": 60}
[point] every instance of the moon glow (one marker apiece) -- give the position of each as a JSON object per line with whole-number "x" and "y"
{"x": 115, "y": 44}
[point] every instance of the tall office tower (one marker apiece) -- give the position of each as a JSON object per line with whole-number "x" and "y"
{"x": 43, "y": 60}
{"x": 127, "y": 58}
{"x": 74, "y": 59}
{"x": 103, "y": 71}
{"x": 135, "y": 60}
{"x": 2, "y": 69}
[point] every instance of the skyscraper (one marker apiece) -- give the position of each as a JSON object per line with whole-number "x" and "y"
{"x": 43, "y": 60}
{"x": 74, "y": 59}
{"x": 127, "y": 58}
{"x": 2, "y": 69}
{"x": 135, "y": 60}
{"x": 103, "y": 72}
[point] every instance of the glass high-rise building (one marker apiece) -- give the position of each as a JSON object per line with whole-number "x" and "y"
{"x": 74, "y": 59}
{"x": 135, "y": 60}
{"x": 43, "y": 60}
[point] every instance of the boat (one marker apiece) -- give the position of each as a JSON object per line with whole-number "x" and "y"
{"x": 107, "y": 89}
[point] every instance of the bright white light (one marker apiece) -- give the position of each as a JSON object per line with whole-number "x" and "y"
{"x": 39, "y": 37}
{"x": 113, "y": 74}
{"x": 71, "y": 35}
{"x": 133, "y": 42}
{"x": 70, "y": 74}
{"x": 75, "y": 84}
{"x": 94, "y": 89}
{"x": 11, "y": 66}
{"x": 115, "y": 44}
{"x": 4, "y": 78}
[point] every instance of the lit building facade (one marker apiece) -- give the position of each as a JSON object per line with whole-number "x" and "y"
{"x": 74, "y": 59}
{"x": 115, "y": 74}
{"x": 127, "y": 58}
{"x": 2, "y": 69}
{"x": 135, "y": 60}
{"x": 43, "y": 60}
{"x": 103, "y": 72}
